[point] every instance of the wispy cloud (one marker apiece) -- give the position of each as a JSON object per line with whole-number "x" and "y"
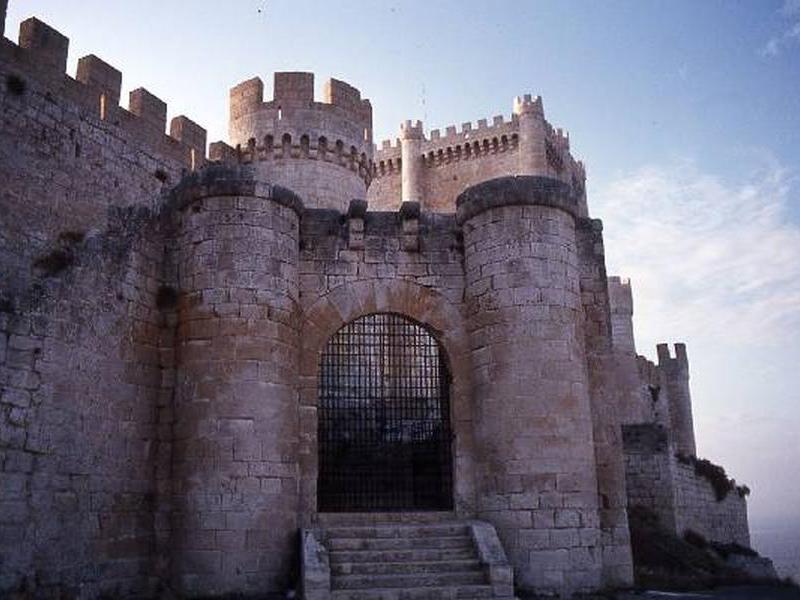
{"x": 789, "y": 35}
{"x": 709, "y": 258}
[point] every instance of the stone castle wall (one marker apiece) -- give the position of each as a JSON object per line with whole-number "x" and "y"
{"x": 83, "y": 443}
{"x": 64, "y": 164}
{"x": 448, "y": 164}
{"x": 698, "y": 509}
{"x": 160, "y": 332}
{"x": 682, "y": 499}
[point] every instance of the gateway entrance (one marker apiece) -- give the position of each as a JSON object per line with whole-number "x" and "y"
{"x": 384, "y": 419}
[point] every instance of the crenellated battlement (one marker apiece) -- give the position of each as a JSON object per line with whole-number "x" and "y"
{"x": 334, "y": 133}
{"x": 665, "y": 358}
{"x": 498, "y": 146}
{"x": 484, "y": 138}
{"x": 294, "y": 110}
{"x": 453, "y": 135}
{"x": 41, "y": 54}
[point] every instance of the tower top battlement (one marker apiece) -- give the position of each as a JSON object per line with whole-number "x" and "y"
{"x": 331, "y": 139}
{"x": 342, "y": 111}
{"x": 459, "y": 156}
{"x": 528, "y": 104}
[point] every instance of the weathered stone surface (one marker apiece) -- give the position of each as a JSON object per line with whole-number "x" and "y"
{"x": 162, "y": 322}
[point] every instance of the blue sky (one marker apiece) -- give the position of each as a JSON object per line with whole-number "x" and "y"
{"x": 686, "y": 113}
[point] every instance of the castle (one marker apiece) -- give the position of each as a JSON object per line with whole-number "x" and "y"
{"x": 390, "y": 371}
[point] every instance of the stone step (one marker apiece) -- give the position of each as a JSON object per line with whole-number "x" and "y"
{"x": 398, "y": 531}
{"x": 378, "y": 518}
{"x": 459, "y": 542}
{"x": 460, "y": 592}
{"x": 349, "y": 582}
{"x": 406, "y": 567}
{"x": 416, "y": 555}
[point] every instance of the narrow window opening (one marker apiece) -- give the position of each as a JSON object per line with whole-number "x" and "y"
{"x": 286, "y": 142}
{"x": 193, "y": 159}
{"x": 103, "y": 107}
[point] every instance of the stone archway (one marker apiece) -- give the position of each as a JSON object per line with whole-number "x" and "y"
{"x": 329, "y": 313}
{"x": 384, "y": 434}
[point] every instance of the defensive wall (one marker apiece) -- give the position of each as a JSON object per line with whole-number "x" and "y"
{"x": 658, "y": 438}
{"x": 434, "y": 170}
{"x": 162, "y": 319}
{"x": 685, "y": 500}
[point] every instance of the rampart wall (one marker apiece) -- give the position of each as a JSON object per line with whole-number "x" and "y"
{"x": 82, "y": 418}
{"x": 85, "y": 341}
{"x": 683, "y": 499}
{"x": 465, "y": 156}
{"x": 69, "y": 152}
{"x": 697, "y": 509}
{"x": 126, "y": 304}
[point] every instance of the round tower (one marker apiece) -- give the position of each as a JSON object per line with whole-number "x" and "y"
{"x": 675, "y": 378}
{"x": 538, "y": 481}
{"x": 532, "y": 134}
{"x": 411, "y": 180}
{"x": 235, "y": 472}
{"x": 320, "y": 150}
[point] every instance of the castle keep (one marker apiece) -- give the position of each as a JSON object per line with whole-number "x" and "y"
{"x": 303, "y": 359}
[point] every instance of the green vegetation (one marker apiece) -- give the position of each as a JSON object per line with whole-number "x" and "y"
{"x": 715, "y": 475}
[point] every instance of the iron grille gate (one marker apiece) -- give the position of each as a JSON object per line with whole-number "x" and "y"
{"x": 384, "y": 419}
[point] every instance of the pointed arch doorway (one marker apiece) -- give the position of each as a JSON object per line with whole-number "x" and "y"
{"x": 384, "y": 434}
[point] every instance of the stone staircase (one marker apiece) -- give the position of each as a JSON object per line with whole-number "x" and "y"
{"x": 451, "y": 560}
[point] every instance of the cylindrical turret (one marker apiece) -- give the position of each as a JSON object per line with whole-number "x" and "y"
{"x": 620, "y": 301}
{"x": 532, "y": 132}
{"x": 320, "y": 150}
{"x": 235, "y": 472}
{"x": 675, "y": 375}
{"x": 533, "y": 417}
{"x": 411, "y": 182}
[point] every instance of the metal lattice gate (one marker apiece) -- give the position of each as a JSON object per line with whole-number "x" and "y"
{"x": 384, "y": 419}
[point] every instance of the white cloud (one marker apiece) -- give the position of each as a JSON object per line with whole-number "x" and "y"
{"x": 716, "y": 264}
{"x": 791, "y": 33}
{"x": 708, "y": 259}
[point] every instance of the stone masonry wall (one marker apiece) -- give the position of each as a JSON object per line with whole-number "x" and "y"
{"x": 607, "y": 396}
{"x": 698, "y": 509}
{"x": 235, "y": 434}
{"x": 537, "y": 476}
{"x": 649, "y": 471}
{"x": 84, "y": 340}
{"x": 681, "y": 498}
{"x": 62, "y": 165}
{"x": 80, "y": 378}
